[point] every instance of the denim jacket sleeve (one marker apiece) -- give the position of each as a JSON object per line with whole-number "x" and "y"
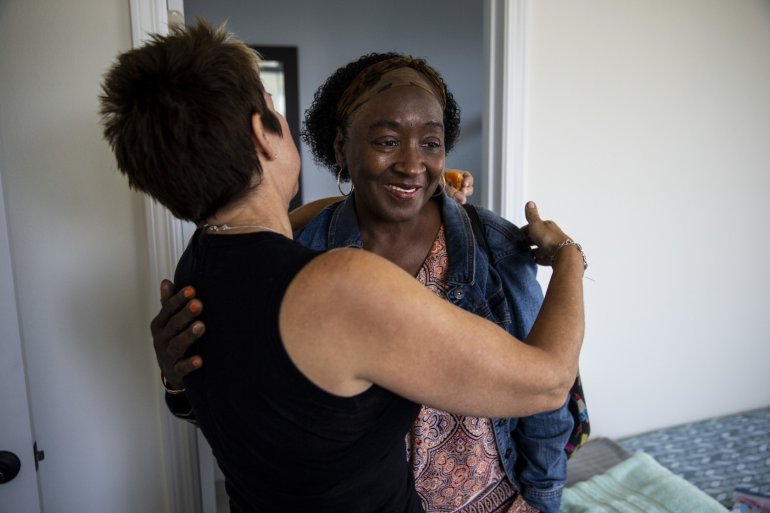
{"x": 532, "y": 448}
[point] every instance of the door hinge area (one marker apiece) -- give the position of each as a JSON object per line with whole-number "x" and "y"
{"x": 39, "y": 455}
{"x": 175, "y": 13}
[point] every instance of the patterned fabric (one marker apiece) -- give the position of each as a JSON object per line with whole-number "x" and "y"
{"x": 716, "y": 455}
{"x": 455, "y": 460}
{"x": 433, "y": 271}
{"x": 577, "y": 407}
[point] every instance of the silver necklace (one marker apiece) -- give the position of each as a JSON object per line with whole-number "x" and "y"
{"x": 215, "y": 228}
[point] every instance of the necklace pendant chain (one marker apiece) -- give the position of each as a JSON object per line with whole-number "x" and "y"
{"x": 215, "y": 228}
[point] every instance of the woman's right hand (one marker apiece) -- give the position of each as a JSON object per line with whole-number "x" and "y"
{"x": 546, "y": 236}
{"x": 174, "y": 329}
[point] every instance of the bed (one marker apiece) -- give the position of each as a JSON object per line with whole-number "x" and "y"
{"x": 709, "y": 458}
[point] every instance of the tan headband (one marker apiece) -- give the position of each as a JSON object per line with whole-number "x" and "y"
{"x": 394, "y": 73}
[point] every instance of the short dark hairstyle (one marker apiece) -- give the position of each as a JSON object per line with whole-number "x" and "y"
{"x": 177, "y": 114}
{"x": 320, "y": 126}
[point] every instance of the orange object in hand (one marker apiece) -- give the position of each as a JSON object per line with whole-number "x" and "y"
{"x": 454, "y": 178}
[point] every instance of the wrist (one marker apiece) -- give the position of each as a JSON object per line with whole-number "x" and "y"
{"x": 566, "y": 244}
{"x": 171, "y": 389}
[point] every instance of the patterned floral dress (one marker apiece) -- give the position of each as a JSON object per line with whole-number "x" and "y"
{"x": 454, "y": 459}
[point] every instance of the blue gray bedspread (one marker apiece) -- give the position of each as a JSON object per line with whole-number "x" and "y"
{"x": 716, "y": 455}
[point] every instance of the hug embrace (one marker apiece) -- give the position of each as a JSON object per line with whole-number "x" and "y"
{"x": 323, "y": 374}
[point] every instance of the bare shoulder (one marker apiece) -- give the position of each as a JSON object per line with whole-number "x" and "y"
{"x": 339, "y": 300}
{"x": 354, "y": 271}
{"x": 345, "y": 285}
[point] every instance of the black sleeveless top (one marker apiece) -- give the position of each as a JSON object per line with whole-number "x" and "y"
{"x": 283, "y": 444}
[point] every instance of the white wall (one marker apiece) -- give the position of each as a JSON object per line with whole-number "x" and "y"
{"x": 79, "y": 251}
{"x": 649, "y": 140}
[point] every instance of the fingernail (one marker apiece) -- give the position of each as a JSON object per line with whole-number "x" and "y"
{"x": 189, "y": 292}
{"x": 530, "y": 204}
{"x": 194, "y": 307}
{"x": 196, "y": 362}
{"x": 197, "y": 328}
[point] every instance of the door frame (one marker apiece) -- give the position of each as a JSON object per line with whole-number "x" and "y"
{"x": 166, "y": 244}
{"x": 504, "y": 116}
{"x": 503, "y": 170}
{"x": 17, "y": 435}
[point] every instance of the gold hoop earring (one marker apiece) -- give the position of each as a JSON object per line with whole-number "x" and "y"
{"x": 441, "y": 189}
{"x": 339, "y": 183}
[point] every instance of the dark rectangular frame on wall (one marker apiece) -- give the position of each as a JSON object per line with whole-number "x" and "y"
{"x": 287, "y": 55}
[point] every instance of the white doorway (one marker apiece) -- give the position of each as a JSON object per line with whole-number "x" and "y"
{"x": 502, "y": 155}
{"x": 19, "y": 493}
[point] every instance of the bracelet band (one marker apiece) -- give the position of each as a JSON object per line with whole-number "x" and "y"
{"x": 570, "y": 242}
{"x": 168, "y": 388}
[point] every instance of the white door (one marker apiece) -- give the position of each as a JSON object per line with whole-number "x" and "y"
{"x": 19, "y": 494}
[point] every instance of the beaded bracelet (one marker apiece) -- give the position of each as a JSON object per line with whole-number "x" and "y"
{"x": 168, "y": 388}
{"x": 570, "y": 242}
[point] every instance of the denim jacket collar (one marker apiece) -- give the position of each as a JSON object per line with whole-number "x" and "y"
{"x": 343, "y": 228}
{"x": 344, "y": 232}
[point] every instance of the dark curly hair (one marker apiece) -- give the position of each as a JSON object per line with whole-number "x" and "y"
{"x": 319, "y": 128}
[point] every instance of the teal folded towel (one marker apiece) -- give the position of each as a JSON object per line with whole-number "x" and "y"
{"x": 637, "y": 485}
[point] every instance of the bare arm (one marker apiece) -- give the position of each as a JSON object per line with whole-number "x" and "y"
{"x": 351, "y": 319}
{"x": 173, "y": 330}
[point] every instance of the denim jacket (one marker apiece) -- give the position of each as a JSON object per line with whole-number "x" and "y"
{"x": 506, "y": 292}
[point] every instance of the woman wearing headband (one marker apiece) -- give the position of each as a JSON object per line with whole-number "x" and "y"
{"x": 386, "y": 122}
{"x": 394, "y": 106}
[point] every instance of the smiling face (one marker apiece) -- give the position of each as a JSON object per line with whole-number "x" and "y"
{"x": 393, "y": 149}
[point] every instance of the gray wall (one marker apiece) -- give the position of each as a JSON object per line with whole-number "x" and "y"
{"x": 649, "y": 124}
{"x": 329, "y": 34}
{"x": 79, "y": 253}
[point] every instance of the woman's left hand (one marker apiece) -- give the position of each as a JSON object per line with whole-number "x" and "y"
{"x": 459, "y": 187}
